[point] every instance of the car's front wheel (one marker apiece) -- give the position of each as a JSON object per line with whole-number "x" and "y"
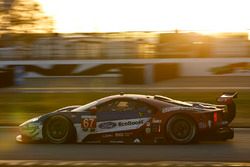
{"x": 57, "y": 129}
{"x": 181, "y": 129}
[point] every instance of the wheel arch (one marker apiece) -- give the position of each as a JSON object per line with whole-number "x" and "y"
{"x": 182, "y": 113}
{"x": 74, "y": 132}
{"x": 185, "y": 114}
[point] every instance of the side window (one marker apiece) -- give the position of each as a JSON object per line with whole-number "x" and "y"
{"x": 144, "y": 109}
{"x": 121, "y": 109}
{"x": 105, "y": 107}
{"x": 123, "y": 106}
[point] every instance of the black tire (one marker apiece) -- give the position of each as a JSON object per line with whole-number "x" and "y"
{"x": 181, "y": 129}
{"x": 58, "y": 130}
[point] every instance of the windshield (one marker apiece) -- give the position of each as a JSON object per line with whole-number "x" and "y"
{"x": 85, "y": 107}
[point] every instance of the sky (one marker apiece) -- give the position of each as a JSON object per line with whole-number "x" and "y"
{"x": 149, "y": 15}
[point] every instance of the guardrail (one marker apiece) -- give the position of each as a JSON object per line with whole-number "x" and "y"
{"x": 131, "y": 71}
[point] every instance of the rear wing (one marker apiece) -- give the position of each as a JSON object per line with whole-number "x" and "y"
{"x": 227, "y": 97}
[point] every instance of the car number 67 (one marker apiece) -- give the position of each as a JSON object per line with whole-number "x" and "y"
{"x": 88, "y": 123}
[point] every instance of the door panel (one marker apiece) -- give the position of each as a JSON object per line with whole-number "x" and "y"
{"x": 121, "y": 115}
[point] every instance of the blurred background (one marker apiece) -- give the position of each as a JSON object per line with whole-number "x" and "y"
{"x": 55, "y": 53}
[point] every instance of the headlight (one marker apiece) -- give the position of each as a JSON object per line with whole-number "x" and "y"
{"x": 30, "y": 121}
{"x": 30, "y": 128}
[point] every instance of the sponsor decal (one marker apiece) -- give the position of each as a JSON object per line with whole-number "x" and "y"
{"x": 119, "y": 134}
{"x": 202, "y": 125}
{"x": 107, "y": 125}
{"x": 85, "y": 129}
{"x": 137, "y": 140}
{"x": 125, "y": 134}
{"x": 129, "y": 123}
{"x": 178, "y": 108}
{"x": 156, "y": 121}
{"x": 117, "y": 141}
{"x": 156, "y": 128}
{"x": 120, "y": 125}
{"x": 148, "y": 130}
{"x": 175, "y": 108}
{"x": 128, "y": 134}
{"x": 167, "y": 109}
{"x": 107, "y": 135}
{"x": 88, "y": 123}
{"x": 209, "y": 123}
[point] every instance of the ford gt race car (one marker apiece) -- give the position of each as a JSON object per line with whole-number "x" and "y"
{"x": 132, "y": 118}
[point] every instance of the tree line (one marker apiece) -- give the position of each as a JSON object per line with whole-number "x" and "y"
{"x": 24, "y": 16}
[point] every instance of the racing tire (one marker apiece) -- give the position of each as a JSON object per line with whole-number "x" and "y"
{"x": 58, "y": 130}
{"x": 181, "y": 129}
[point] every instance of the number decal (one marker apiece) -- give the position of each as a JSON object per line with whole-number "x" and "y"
{"x": 88, "y": 123}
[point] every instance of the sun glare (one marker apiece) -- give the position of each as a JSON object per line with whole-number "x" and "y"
{"x": 148, "y": 15}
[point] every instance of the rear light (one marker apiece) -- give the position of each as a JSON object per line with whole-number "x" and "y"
{"x": 215, "y": 117}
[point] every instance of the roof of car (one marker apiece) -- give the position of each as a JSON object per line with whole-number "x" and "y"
{"x": 132, "y": 96}
{"x": 151, "y": 98}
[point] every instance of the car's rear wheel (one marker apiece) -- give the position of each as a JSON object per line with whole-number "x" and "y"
{"x": 58, "y": 129}
{"x": 181, "y": 129}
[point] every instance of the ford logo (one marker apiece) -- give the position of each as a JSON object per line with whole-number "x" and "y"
{"x": 107, "y": 125}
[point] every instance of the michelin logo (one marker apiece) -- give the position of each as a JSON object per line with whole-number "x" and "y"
{"x": 129, "y": 123}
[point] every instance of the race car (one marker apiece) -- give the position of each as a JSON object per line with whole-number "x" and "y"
{"x": 133, "y": 118}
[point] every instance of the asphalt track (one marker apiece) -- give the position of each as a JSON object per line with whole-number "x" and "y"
{"x": 236, "y": 150}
